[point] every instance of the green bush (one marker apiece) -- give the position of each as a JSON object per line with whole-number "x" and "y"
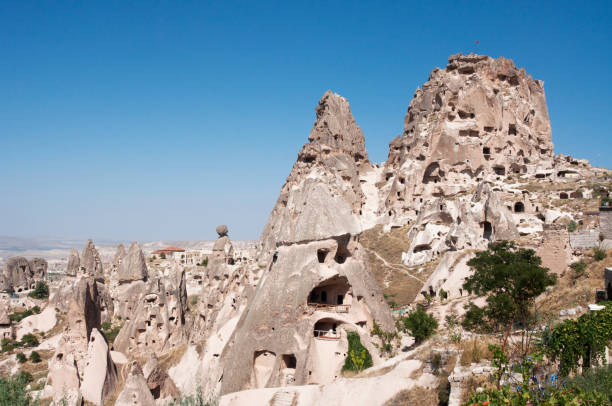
{"x": 204, "y": 262}
{"x": 35, "y": 357}
{"x": 594, "y": 380}
{"x": 29, "y": 340}
{"x": 358, "y": 358}
{"x": 21, "y": 358}
{"x": 9, "y": 345}
{"x": 420, "y": 324}
{"x": 162, "y": 255}
{"x": 599, "y": 254}
{"x": 41, "y": 291}
{"x": 443, "y": 294}
{"x": 578, "y": 268}
{"x": 572, "y": 226}
{"x": 194, "y": 400}
{"x": 13, "y": 391}
{"x": 105, "y": 326}
{"x": 110, "y": 332}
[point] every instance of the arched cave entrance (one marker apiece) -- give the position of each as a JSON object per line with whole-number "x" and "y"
{"x": 331, "y": 295}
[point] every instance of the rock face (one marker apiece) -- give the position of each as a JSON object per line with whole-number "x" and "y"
{"x": 81, "y": 353}
{"x": 100, "y": 375}
{"x": 322, "y": 197}
{"x": 91, "y": 263}
{"x": 119, "y": 255}
{"x": 74, "y": 263}
{"x": 316, "y": 285}
{"x": 133, "y": 266}
{"x": 135, "y": 391}
{"x": 19, "y": 274}
{"x": 157, "y": 322}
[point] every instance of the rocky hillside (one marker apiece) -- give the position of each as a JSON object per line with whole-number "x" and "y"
{"x": 347, "y": 242}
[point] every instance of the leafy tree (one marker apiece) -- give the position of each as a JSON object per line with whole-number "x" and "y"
{"x": 9, "y": 345}
{"x": 420, "y": 324}
{"x": 572, "y": 226}
{"x": 41, "y": 290}
{"x": 443, "y": 294}
{"x": 35, "y": 357}
{"x": 21, "y": 358}
{"x": 511, "y": 278}
{"x": 359, "y": 357}
{"x": 580, "y": 342}
{"x": 204, "y": 262}
{"x": 578, "y": 268}
{"x": 162, "y": 255}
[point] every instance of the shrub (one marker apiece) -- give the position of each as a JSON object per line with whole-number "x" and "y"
{"x": 358, "y": 358}
{"x": 13, "y": 391}
{"x": 578, "y": 268}
{"x": 21, "y": 358}
{"x": 105, "y": 326}
{"x": 594, "y": 380}
{"x": 599, "y": 254}
{"x": 162, "y": 255}
{"x": 29, "y": 340}
{"x": 9, "y": 345}
{"x": 110, "y": 332}
{"x": 443, "y": 294}
{"x": 386, "y": 337}
{"x": 194, "y": 400}
{"x": 204, "y": 262}
{"x": 572, "y": 226}
{"x": 35, "y": 357}
{"x": 41, "y": 291}
{"x": 420, "y": 324}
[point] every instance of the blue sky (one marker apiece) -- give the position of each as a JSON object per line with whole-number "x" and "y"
{"x": 159, "y": 120}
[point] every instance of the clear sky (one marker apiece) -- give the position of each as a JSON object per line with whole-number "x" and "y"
{"x": 159, "y": 120}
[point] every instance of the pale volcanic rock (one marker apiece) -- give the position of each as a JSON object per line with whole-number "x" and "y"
{"x": 91, "y": 263}
{"x": 19, "y": 274}
{"x": 157, "y": 323}
{"x": 135, "y": 391}
{"x": 133, "y": 266}
{"x": 158, "y": 381}
{"x": 322, "y": 197}
{"x": 100, "y": 375}
{"x": 74, "y": 263}
{"x": 119, "y": 255}
{"x": 314, "y": 257}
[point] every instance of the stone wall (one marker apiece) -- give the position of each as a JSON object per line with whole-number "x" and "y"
{"x": 584, "y": 239}
{"x": 605, "y": 222}
{"x": 555, "y": 249}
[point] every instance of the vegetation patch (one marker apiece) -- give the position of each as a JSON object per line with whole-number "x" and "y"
{"x": 358, "y": 358}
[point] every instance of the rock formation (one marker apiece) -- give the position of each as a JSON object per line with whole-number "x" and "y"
{"x": 157, "y": 323}
{"x": 135, "y": 391}
{"x": 91, "y": 263}
{"x": 128, "y": 284}
{"x": 100, "y": 375}
{"x": 82, "y": 355}
{"x": 133, "y": 266}
{"x": 316, "y": 285}
{"x": 19, "y": 274}
{"x": 74, "y": 263}
{"x": 119, "y": 255}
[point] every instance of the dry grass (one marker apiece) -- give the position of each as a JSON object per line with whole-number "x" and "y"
{"x": 400, "y": 283}
{"x": 571, "y": 291}
{"x": 172, "y": 357}
{"x": 414, "y": 396}
{"x": 474, "y": 351}
{"x": 474, "y": 382}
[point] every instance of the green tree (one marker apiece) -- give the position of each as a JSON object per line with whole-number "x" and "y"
{"x": 162, "y": 255}
{"x": 572, "y": 226}
{"x": 580, "y": 342}
{"x": 41, "y": 290}
{"x": 510, "y": 278}
{"x": 420, "y": 324}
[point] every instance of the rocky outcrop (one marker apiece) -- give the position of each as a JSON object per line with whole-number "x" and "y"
{"x": 316, "y": 285}
{"x": 91, "y": 263}
{"x": 100, "y": 375}
{"x": 322, "y": 197}
{"x": 157, "y": 323}
{"x": 158, "y": 381}
{"x": 19, "y": 274}
{"x": 82, "y": 355}
{"x": 135, "y": 390}
{"x": 133, "y": 266}
{"x": 74, "y": 263}
{"x": 119, "y": 255}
